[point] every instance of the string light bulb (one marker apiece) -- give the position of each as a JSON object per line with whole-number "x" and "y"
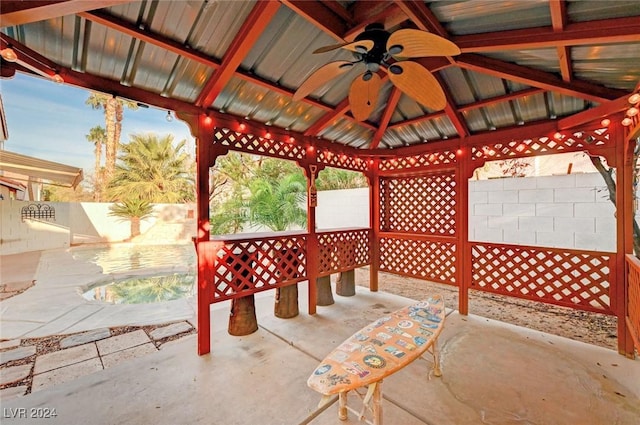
{"x": 634, "y": 98}
{"x": 169, "y": 117}
{"x": 9, "y": 54}
{"x": 57, "y": 78}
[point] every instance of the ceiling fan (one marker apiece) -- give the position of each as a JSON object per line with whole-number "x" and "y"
{"x": 378, "y": 50}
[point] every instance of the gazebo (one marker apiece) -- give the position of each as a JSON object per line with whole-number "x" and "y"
{"x": 531, "y": 78}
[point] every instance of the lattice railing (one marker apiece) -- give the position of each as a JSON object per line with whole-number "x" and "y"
{"x": 423, "y": 259}
{"x": 423, "y": 205}
{"x": 571, "y": 278}
{"x": 423, "y": 160}
{"x": 633, "y": 312}
{"x": 250, "y": 265}
{"x": 341, "y": 160}
{"x": 344, "y": 250}
{"x": 560, "y": 142}
{"x": 258, "y": 145}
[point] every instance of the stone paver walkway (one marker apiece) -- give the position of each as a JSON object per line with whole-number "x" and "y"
{"x": 23, "y": 371}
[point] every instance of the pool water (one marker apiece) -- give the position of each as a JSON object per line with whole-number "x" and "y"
{"x": 144, "y": 289}
{"x": 141, "y": 289}
{"x": 122, "y": 258}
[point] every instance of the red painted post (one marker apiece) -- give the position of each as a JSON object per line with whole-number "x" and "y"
{"x": 374, "y": 223}
{"x": 624, "y": 233}
{"x": 463, "y": 271}
{"x": 313, "y": 250}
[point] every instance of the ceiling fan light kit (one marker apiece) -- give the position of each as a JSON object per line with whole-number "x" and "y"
{"x": 379, "y": 50}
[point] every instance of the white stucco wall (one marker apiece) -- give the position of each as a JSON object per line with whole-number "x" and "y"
{"x": 343, "y": 208}
{"x": 567, "y": 211}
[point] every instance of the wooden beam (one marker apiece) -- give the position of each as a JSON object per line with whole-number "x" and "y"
{"x": 602, "y": 111}
{"x": 178, "y": 48}
{"x": 452, "y": 112}
{"x": 143, "y": 34}
{"x": 366, "y": 12}
{"x": 535, "y": 78}
{"x": 420, "y": 14}
{"x": 502, "y": 98}
{"x": 392, "y": 103}
{"x": 246, "y": 37}
{"x": 339, "y": 10}
{"x": 15, "y": 13}
{"x": 319, "y": 15}
{"x": 605, "y": 31}
{"x": 559, "y": 21}
{"x": 328, "y": 118}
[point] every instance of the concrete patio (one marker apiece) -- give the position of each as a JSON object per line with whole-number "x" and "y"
{"x": 494, "y": 373}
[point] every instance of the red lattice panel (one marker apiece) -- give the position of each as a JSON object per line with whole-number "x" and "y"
{"x": 571, "y": 278}
{"x": 424, "y": 160}
{"x": 559, "y": 143}
{"x": 258, "y": 145}
{"x": 419, "y": 204}
{"x": 423, "y": 259}
{"x": 244, "y": 267}
{"x": 341, "y": 160}
{"x": 633, "y": 314}
{"x": 344, "y": 250}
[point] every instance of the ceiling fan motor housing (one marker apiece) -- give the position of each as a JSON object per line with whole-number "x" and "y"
{"x": 377, "y": 34}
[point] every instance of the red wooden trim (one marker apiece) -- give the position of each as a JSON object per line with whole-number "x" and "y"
{"x": 464, "y": 258}
{"x": 319, "y": 15}
{"x": 24, "y": 12}
{"x": 374, "y": 222}
{"x": 392, "y": 102}
{"x": 367, "y": 12}
{"x": 624, "y": 235}
{"x": 544, "y": 80}
{"x": 422, "y": 16}
{"x": 251, "y": 29}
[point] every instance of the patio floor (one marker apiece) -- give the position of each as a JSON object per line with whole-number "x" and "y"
{"x": 493, "y": 373}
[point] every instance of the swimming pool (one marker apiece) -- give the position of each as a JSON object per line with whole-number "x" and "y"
{"x": 161, "y": 272}
{"x": 117, "y": 258}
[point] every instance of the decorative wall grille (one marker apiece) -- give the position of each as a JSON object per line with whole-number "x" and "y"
{"x": 572, "y": 278}
{"x": 38, "y": 212}
{"x": 423, "y": 259}
{"x": 424, "y": 205}
{"x": 344, "y": 250}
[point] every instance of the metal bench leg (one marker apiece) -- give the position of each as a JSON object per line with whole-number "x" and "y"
{"x": 377, "y": 404}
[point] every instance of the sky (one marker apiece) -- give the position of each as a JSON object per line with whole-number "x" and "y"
{"x": 50, "y": 121}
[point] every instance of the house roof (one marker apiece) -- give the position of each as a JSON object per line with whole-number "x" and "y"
{"x": 522, "y": 62}
{"x": 46, "y": 171}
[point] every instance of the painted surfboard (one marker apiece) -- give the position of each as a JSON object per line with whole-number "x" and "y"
{"x": 380, "y": 348}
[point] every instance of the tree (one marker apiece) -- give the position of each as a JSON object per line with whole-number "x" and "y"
{"x": 98, "y": 136}
{"x": 113, "y": 115}
{"x": 276, "y": 203}
{"x": 336, "y": 178}
{"x": 134, "y": 210}
{"x": 153, "y": 169}
{"x": 608, "y": 175}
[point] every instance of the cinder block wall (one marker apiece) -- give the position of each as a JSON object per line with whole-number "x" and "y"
{"x": 569, "y": 211}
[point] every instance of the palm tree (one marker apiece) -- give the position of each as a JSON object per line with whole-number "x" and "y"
{"x": 153, "y": 169}
{"x": 336, "y": 178}
{"x": 134, "y": 210}
{"x": 98, "y": 136}
{"x": 276, "y": 204}
{"x": 113, "y": 114}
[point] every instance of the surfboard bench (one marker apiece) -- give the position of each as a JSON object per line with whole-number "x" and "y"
{"x": 375, "y": 352}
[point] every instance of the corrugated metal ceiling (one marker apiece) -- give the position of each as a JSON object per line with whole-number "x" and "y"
{"x": 107, "y": 44}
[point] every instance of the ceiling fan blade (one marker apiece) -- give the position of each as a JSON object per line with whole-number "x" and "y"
{"x": 321, "y": 76}
{"x": 410, "y": 43}
{"x": 363, "y": 95}
{"x": 416, "y": 81}
{"x": 362, "y": 46}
